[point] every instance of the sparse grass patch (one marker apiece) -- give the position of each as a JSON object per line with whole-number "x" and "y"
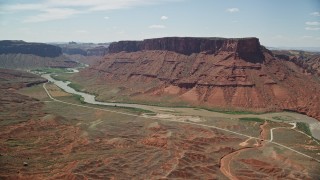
{"x": 239, "y": 112}
{"x": 76, "y": 87}
{"x": 228, "y": 111}
{"x": 304, "y": 127}
{"x": 139, "y": 111}
{"x": 129, "y": 109}
{"x": 62, "y": 77}
{"x": 251, "y": 119}
{"x": 279, "y": 118}
{"x": 52, "y": 70}
{"x": 282, "y": 118}
{"x": 79, "y": 98}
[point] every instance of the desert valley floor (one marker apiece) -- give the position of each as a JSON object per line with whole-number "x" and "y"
{"x": 47, "y": 133}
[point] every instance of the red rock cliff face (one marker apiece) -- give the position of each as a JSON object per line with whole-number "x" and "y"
{"x": 219, "y": 73}
{"x": 247, "y": 48}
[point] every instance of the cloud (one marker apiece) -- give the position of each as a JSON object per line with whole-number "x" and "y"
{"x": 121, "y": 32}
{"x": 164, "y": 17}
{"x": 157, "y": 26}
{"x": 52, "y": 14}
{"x": 306, "y": 37}
{"x": 314, "y": 23}
{"x": 81, "y": 31}
{"x": 106, "y": 17}
{"x": 101, "y": 5}
{"x": 23, "y": 7}
{"x": 312, "y": 28}
{"x": 69, "y": 7}
{"x": 279, "y": 36}
{"x": 233, "y": 10}
{"x": 315, "y": 14}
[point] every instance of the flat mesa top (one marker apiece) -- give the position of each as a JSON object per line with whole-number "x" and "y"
{"x": 193, "y": 38}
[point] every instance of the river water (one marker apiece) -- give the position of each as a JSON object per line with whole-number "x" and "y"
{"x": 88, "y": 98}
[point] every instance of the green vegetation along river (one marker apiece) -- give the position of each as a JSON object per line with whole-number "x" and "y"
{"x": 288, "y": 117}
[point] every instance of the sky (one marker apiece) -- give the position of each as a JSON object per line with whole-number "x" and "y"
{"x": 277, "y": 23}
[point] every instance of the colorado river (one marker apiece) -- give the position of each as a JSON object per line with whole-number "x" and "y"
{"x": 88, "y": 98}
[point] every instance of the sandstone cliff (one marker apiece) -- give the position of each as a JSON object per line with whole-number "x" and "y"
{"x": 211, "y": 72}
{"x": 21, "y": 47}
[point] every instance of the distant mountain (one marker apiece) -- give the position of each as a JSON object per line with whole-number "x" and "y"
{"x": 310, "y": 49}
{"x": 84, "y": 49}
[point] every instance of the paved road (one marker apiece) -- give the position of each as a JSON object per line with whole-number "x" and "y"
{"x": 185, "y": 122}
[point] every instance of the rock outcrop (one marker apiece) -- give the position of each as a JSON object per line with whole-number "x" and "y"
{"x": 212, "y": 72}
{"x": 21, "y": 47}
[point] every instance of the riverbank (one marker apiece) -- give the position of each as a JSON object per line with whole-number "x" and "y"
{"x": 293, "y": 117}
